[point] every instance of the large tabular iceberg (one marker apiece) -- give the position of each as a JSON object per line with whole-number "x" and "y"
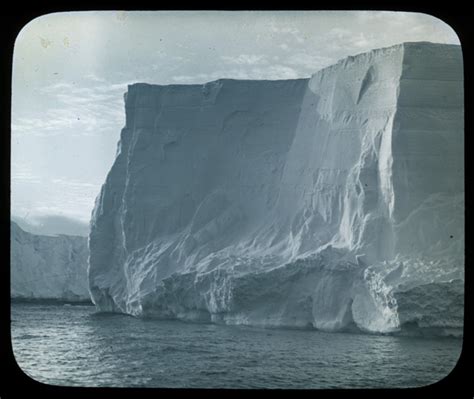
{"x": 335, "y": 202}
{"x": 48, "y": 267}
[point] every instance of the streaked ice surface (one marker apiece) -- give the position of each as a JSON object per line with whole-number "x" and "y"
{"x": 335, "y": 201}
{"x": 73, "y": 345}
{"x": 48, "y": 267}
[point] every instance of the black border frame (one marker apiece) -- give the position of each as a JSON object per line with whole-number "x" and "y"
{"x": 15, "y": 383}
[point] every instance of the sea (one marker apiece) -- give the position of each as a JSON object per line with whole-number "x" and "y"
{"x": 74, "y": 345}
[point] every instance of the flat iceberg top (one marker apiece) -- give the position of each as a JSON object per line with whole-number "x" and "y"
{"x": 139, "y": 85}
{"x": 422, "y": 45}
{"x": 439, "y": 49}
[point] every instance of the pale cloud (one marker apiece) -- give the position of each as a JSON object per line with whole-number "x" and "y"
{"x": 339, "y": 33}
{"x": 339, "y": 38}
{"x": 311, "y": 62}
{"x": 360, "y": 41}
{"x": 95, "y": 78}
{"x": 245, "y": 59}
{"x": 208, "y": 77}
{"x": 59, "y": 196}
{"x": 23, "y": 172}
{"x": 287, "y": 30}
{"x": 269, "y": 72}
{"x": 76, "y": 110}
{"x": 75, "y": 184}
{"x": 275, "y": 72}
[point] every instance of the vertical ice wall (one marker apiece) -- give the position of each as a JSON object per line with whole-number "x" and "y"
{"x": 379, "y": 139}
{"x": 340, "y": 162}
{"x": 326, "y": 202}
{"x": 197, "y": 165}
{"x": 48, "y": 267}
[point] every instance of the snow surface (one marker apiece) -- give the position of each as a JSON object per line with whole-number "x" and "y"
{"x": 46, "y": 267}
{"x": 335, "y": 202}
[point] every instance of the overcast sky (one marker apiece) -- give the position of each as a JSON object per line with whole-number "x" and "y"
{"x": 71, "y": 69}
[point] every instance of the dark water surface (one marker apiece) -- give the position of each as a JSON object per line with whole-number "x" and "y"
{"x": 73, "y": 345}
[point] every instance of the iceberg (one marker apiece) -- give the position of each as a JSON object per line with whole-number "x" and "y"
{"x": 335, "y": 202}
{"x": 48, "y": 267}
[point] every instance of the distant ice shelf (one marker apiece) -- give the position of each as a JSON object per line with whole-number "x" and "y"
{"x": 335, "y": 202}
{"x": 48, "y": 267}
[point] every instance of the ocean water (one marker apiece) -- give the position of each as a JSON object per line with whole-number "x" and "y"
{"x": 75, "y": 346}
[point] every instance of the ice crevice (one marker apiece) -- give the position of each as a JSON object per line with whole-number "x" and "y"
{"x": 334, "y": 202}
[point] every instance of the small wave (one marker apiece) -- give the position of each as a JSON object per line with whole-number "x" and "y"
{"x": 250, "y": 362}
{"x": 101, "y": 315}
{"x": 171, "y": 349}
{"x": 27, "y": 336}
{"x": 214, "y": 372}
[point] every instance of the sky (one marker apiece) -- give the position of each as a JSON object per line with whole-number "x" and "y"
{"x": 70, "y": 71}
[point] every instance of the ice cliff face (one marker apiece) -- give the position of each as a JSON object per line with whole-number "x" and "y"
{"x": 46, "y": 267}
{"x": 335, "y": 202}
